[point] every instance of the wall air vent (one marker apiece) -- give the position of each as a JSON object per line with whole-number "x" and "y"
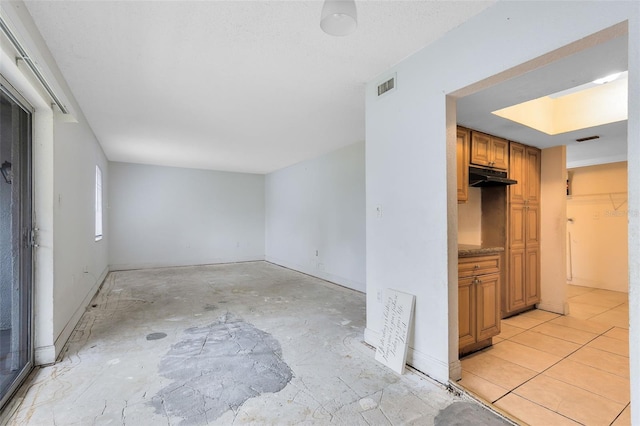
{"x": 387, "y": 86}
{"x": 588, "y": 138}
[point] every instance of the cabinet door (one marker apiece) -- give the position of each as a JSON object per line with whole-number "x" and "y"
{"x": 487, "y": 305}
{"x": 499, "y": 157}
{"x": 532, "y": 177}
{"x": 517, "y": 172}
{"x": 463, "y": 164}
{"x": 517, "y": 226}
{"x": 532, "y": 283}
{"x": 480, "y": 149}
{"x": 532, "y": 225}
{"x": 466, "y": 312}
{"x": 516, "y": 297}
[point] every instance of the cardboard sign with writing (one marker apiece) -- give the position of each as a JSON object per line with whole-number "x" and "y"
{"x": 397, "y": 317}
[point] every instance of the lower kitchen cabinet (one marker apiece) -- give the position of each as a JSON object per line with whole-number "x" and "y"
{"x": 478, "y": 301}
{"x": 488, "y": 305}
{"x": 467, "y": 331}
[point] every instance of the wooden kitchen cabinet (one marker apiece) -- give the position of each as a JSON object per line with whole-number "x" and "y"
{"x": 487, "y": 306}
{"x": 489, "y": 151}
{"x": 524, "y": 166}
{"x": 515, "y": 294}
{"x": 478, "y": 301}
{"x": 462, "y": 156}
{"x": 466, "y": 312}
{"x": 532, "y": 279}
{"x": 522, "y": 289}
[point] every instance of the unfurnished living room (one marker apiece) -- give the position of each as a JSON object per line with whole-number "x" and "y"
{"x": 319, "y": 212}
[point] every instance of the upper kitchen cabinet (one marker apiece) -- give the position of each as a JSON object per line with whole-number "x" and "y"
{"x": 489, "y": 151}
{"x": 524, "y": 166}
{"x": 463, "y": 164}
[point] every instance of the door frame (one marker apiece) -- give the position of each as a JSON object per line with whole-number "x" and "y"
{"x": 15, "y": 96}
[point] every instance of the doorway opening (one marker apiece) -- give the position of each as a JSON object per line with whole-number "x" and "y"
{"x": 548, "y": 352}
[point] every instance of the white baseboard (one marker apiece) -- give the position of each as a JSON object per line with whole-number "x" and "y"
{"x": 371, "y": 337}
{"x": 557, "y": 308}
{"x": 324, "y": 275}
{"x": 62, "y": 338}
{"x": 198, "y": 262}
{"x": 605, "y": 285}
{"x": 45, "y": 355}
{"x": 434, "y": 368}
{"x": 455, "y": 371}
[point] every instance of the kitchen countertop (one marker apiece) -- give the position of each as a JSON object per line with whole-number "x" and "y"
{"x": 467, "y": 250}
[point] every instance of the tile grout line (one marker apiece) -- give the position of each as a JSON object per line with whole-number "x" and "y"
{"x": 620, "y": 413}
{"x": 552, "y": 365}
{"x": 579, "y": 347}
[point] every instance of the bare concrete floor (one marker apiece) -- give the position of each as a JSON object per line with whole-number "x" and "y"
{"x": 248, "y": 343}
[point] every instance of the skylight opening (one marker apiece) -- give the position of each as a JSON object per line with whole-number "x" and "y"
{"x": 588, "y": 105}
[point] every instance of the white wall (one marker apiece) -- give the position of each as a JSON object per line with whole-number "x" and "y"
{"x": 319, "y": 205}
{"x": 633, "y": 159}
{"x": 590, "y": 153}
{"x": 168, "y": 216}
{"x": 69, "y": 264}
{"x": 80, "y": 262}
{"x": 470, "y": 218}
{"x": 409, "y": 156}
{"x": 599, "y": 232}
{"x": 553, "y": 229}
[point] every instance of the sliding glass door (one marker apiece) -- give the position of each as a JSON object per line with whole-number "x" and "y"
{"x": 16, "y": 242}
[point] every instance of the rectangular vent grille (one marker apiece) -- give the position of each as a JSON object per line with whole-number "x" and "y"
{"x": 589, "y": 138}
{"x": 386, "y": 86}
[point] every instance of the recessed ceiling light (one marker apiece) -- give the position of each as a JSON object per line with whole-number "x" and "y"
{"x": 607, "y": 79}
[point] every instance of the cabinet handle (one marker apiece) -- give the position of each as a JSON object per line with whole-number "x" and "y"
{"x": 476, "y": 266}
{"x": 477, "y": 281}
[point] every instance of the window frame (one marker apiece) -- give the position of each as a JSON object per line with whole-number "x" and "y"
{"x": 98, "y": 207}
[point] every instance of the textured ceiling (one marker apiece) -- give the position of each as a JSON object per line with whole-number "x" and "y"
{"x": 240, "y": 86}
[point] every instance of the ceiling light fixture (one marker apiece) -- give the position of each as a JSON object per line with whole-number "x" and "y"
{"x": 607, "y": 79}
{"x": 339, "y": 17}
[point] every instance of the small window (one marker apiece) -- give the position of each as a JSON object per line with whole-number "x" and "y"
{"x": 98, "y": 204}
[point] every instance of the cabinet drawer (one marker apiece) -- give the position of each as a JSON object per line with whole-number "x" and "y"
{"x": 478, "y": 265}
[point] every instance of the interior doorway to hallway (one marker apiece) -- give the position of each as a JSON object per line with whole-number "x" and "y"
{"x": 576, "y": 340}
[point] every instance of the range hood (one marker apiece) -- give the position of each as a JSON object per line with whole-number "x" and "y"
{"x": 479, "y": 177}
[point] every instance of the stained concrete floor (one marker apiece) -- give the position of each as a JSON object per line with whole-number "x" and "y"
{"x": 247, "y": 343}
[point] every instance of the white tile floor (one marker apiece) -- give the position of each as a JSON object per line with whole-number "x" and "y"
{"x": 248, "y": 343}
{"x": 547, "y": 369}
